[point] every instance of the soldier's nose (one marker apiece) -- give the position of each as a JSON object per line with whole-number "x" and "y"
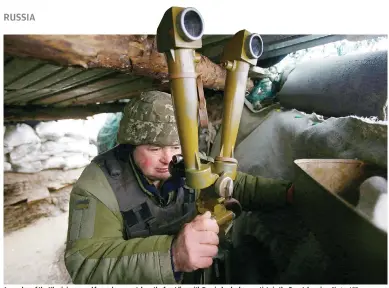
{"x": 165, "y": 159}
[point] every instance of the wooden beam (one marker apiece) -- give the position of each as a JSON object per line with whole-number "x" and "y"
{"x": 141, "y": 86}
{"x": 136, "y": 54}
{"x": 41, "y": 113}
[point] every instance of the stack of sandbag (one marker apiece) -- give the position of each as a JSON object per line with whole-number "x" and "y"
{"x": 20, "y": 141}
{"x": 94, "y": 124}
{"x": 63, "y": 144}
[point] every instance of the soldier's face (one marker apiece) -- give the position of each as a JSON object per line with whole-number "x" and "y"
{"x": 154, "y": 161}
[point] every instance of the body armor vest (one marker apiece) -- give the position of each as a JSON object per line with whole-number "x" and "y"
{"x": 142, "y": 216}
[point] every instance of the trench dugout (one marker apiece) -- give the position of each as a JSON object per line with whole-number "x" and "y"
{"x": 326, "y": 130}
{"x": 331, "y": 112}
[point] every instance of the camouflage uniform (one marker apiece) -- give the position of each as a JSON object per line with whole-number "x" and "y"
{"x": 96, "y": 250}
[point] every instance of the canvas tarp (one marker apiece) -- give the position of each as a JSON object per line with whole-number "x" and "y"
{"x": 267, "y": 144}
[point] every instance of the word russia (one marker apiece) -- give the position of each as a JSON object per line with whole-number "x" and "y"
{"x": 19, "y": 17}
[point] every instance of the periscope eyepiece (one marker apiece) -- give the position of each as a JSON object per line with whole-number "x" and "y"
{"x": 254, "y": 46}
{"x": 190, "y": 24}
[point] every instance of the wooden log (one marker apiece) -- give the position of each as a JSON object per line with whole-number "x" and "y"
{"x": 33, "y": 112}
{"x": 136, "y": 54}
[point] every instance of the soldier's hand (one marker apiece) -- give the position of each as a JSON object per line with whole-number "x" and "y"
{"x": 196, "y": 244}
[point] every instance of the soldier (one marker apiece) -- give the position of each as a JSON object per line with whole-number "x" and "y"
{"x": 131, "y": 222}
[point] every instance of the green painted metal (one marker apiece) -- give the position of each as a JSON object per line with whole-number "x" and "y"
{"x": 18, "y": 67}
{"x": 39, "y": 74}
{"x": 357, "y": 248}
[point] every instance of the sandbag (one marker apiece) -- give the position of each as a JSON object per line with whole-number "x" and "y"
{"x": 7, "y": 149}
{"x": 65, "y": 144}
{"x": 339, "y": 86}
{"x": 7, "y": 167}
{"x": 373, "y": 200}
{"x": 92, "y": 151}
{"x": 75, "y": 161}
{"x": 278, "y": 137}
{"x": 55, "y": 162}
{"x": 51, "y": 130}
{"x": 30, "y": 157}
{"x": 20, "y": 134}
{"x": 267, "y": 144}
{"x": 23, "y": 150}
{"x": 78, "y": 146}
{"x": 52, "y": 148}
{"x": 30, "y": 167}
{"x": 93, "y": 125}
{"x": 380, "y": 214}
{"x": 75, "y": 128}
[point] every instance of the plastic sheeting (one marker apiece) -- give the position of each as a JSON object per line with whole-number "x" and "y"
{"x": 339, "y": 86}
{"x": 267, "y": 144}
{"x": 106, "y": 138}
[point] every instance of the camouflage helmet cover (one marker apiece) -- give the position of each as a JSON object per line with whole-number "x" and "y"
{"x": 149, "y": 119}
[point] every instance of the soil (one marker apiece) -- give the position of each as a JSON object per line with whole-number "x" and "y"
{"x": 35, "y": 254}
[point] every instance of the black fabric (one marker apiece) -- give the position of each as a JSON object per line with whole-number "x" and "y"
{"x": 130, "y": 218}
{"x": 339, "y": 86}
{"x": 251, "y": 263}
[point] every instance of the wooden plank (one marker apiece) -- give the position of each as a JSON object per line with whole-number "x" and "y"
{"x": 46, "y": 113}
{"x": 85, "y": 77}
{"x": 24, "y": 191}
{"x": 7, "y": 59}
{"x": 18, "y": 67}
{"x": 143, "y": 84}
{"x": 65, "y": 73}
{"x": 89, "y": 88}
{"x": 70, "y": 83}
{"x": 22, "y": 215}
{"x": 53, "y": 179}
{"x": 80, "y": 100}
{"x": 34, "y": 76}
{"x": 213, "y": 51}
{"x": 36, "y": 194}
{"x": 15, "y": 192}
{"x": 33, "y": 201}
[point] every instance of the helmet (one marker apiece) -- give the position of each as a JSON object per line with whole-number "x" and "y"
{"x": 149, "y": 119}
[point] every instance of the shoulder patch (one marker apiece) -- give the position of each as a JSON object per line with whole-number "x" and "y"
{"x": 82, "y": 204}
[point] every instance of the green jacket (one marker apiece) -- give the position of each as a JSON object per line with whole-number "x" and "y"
{"x": 96, "y": 251}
